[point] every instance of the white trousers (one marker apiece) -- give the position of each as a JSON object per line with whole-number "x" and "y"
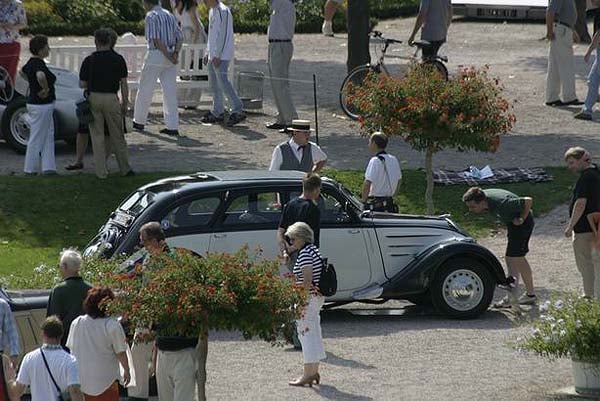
{"x": 41, "y": 138}
{"x": 176, "y": 375}
{"x": 561, "y": 66}
{"x": 309, "y": 331}
{"x": 157, "y": 66}
{"x": 141, "y": 355}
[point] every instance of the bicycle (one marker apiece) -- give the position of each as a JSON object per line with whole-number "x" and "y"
{"x": 357, "y": 76}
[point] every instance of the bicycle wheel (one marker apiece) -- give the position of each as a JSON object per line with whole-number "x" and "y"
{"x": 353, "y": 80}
{"x": 438, "y": 65}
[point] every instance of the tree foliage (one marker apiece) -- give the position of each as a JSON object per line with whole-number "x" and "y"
{"x": 466, "y": 112}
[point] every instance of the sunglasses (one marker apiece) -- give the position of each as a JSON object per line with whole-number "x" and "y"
{"x": 289, "y": 240}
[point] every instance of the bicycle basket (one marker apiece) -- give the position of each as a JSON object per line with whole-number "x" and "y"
{"x": 376, "y": 45}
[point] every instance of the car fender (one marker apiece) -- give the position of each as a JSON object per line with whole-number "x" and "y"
{"x": 417, "y": 276}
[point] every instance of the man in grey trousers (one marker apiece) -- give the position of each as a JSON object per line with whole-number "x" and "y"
{"x": 281, "y": 49}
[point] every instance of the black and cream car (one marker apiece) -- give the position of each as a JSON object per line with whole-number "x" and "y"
{"x": 378, "y": 256}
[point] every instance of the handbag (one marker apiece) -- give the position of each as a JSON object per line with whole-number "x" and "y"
{"x": 62, "y": 395}
{"x": 328, "y": 280}
{"x": 83, "y": 106}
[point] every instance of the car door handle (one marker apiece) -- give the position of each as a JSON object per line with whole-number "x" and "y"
{"x": 354, "y": 231}
{"x": 220, "y": 235}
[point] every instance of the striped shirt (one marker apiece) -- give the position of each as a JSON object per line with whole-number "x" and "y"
{"x": 309, "y": 256}
{"x": 162, "y": 25}
{"x": 8, "y": 330}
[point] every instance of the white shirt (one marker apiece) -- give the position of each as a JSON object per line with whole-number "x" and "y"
{"x": 33, "y": 373}
{"x": 381, "y": 185}
{"x": 96, "y": 343}
{"x": 277, "y": 158}
{"x": 220, "y": 33}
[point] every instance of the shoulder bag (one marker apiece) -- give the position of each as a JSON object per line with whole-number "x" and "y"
{"x": 62, "y": 395}
{"x": 83, "y": 106}
{"x": 328, "y": 281}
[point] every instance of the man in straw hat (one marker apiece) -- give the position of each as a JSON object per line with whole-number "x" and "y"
{"x": 298, "y": 153}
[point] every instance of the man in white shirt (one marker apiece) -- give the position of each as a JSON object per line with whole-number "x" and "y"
{"x": 34, "y": 373}
{"x": 219, "y": 53}
{"x": 298, "y": 153}
{"x": 382, "y": 178}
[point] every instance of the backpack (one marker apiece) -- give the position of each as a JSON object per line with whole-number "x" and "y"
{"x": 328, "y": 281}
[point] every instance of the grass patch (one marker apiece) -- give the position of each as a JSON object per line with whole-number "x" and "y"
{"x": 39, "y": 216}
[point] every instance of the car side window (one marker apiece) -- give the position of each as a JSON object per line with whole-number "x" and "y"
{"x": 253, "y": 208}
{"x": 197, "y": 212}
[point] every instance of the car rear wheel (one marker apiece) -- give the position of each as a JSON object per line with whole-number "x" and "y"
{"x": 463, "y": 288}
{"x": 15, "y": 126}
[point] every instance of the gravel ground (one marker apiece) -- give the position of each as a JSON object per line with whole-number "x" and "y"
{"x": 394, "y": 351}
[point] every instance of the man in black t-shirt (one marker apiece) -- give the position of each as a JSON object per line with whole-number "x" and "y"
{"x": 304, "y": 209}
{"x": 586, "y": 200}
{"x": 103, "y": 74}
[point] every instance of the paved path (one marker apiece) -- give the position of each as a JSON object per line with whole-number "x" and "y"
{"x": 513, "y": 51}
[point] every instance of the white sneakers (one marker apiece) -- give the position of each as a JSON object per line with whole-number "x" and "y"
{"x": 327, "y": 28}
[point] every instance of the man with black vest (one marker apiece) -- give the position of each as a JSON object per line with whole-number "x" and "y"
{"x": 298, "y": 153}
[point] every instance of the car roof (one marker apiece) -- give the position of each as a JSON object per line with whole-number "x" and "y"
{"x": 218, "y": 179}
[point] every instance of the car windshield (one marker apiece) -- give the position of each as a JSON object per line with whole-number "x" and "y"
{"x": 137, "y": 202}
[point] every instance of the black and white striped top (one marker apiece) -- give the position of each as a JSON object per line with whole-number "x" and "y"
{"x": 309, "y": 255}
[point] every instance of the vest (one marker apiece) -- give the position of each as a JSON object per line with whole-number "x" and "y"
{"x": 290, "y": 162}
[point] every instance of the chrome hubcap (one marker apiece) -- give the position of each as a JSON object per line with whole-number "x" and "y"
{"x": 19, "y": 126}
{"x": 463, "y": 290}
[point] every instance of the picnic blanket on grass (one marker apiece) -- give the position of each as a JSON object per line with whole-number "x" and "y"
{"x": 501, "y": 176}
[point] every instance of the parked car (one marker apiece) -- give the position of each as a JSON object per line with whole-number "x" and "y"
{"x": 14, "y": 123}
{"x": 378, "y": 256}
{"x": 29, "y": 310}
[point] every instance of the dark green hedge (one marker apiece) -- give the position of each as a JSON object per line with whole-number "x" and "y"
{"x": 249, "y": 16}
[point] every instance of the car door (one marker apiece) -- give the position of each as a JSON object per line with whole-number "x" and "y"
{"x": 345, "y": 242}
{"x": 250, "y": 218}
{"x": 187, "y": 223}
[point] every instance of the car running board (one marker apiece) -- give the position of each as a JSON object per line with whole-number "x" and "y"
{"x": 371, "y": 292}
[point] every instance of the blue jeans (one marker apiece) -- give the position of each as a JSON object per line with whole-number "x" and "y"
{"x": 219, "y": 84}
{"x": 593, "y": 84}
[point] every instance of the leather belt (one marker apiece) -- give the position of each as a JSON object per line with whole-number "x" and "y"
{"x": 564, "y": 24}
{"x": 279, "y": 40}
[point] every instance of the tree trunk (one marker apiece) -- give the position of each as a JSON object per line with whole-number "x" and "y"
{"x": 429, "y": 175}
{"x": 358, "y": 33}
{"x": 202, "y": 355}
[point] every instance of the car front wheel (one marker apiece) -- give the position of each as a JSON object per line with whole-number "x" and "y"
{"x": 463, "y": 288}
{"x": 15, "y": 125}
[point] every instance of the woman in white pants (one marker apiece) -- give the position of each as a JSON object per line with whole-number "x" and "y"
{"x": 307, "y": 270}
{"x": 40, "y": 106}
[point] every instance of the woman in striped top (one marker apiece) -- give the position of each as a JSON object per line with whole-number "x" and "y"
{"x": 307, "y": 270}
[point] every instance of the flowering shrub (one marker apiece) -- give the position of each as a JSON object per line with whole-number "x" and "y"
{"x": 567, "y": 328}
{"x": 466, "y": 112}
{"x": 186, "y": 295}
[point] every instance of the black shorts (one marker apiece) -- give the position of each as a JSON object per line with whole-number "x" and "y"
{"x": 518, "y": 238}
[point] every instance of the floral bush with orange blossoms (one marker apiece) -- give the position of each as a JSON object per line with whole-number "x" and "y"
{"x": 465, "y": 112}
{"x": 187, "y": 295}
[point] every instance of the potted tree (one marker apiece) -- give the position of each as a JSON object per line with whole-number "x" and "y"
{"x": 570, "y": 328}
{"x": 466, "y": 112}
{"x": 188, "y": 295}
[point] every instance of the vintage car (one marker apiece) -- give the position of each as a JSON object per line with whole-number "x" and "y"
{"x": 377, "y": 256}
{"x": 14, "y": 123}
